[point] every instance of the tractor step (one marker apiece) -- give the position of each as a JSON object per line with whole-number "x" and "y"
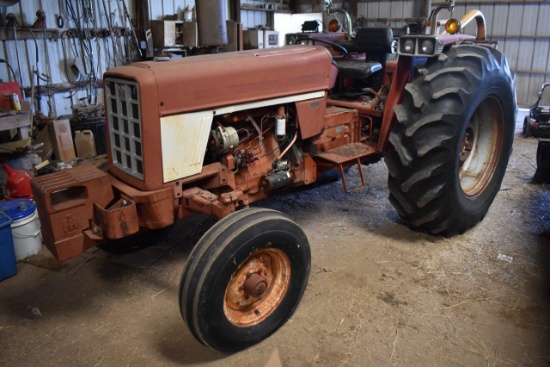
{"x": 346, "y": 156}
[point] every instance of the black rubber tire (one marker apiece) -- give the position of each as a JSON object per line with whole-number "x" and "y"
{"x": 464, "y": 97}
{"x": 216, "y": 258}
{"x": 527, "y": 127}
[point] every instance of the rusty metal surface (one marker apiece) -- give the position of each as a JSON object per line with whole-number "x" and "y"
{"x": 117, "y": 221}
{"x": 65, "y": 202}
{"x": 310, "y": 113}
{"x": 255, "y": 285}
{"x": 257, "y": 288}
{"x": 203, "y": 82}
{"x": 347, "y": 153}
{"x": 77, "y": 211}
{"x": 399, "y": 80}
{"x": 155, "y": 209}
{"x": 339, "y": 128}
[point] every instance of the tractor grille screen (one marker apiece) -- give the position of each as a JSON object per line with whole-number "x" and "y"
{"x": 124, "y": 119}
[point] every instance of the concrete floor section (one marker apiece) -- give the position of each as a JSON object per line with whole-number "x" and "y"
{"x": 379, "y": 294}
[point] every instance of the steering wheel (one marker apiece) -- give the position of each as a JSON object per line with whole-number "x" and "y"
{"x": 333, "y": 44}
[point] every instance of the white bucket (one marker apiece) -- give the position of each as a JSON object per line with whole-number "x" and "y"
{"x": 27, "y": 238}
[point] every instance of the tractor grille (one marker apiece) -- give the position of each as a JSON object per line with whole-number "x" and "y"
{"x": 124, "y": 123}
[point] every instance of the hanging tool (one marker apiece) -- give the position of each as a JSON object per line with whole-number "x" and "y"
{"x": 134, "y": 35}
{"x": 13, "y": 20}
{"x": 60, "y": 18}
{"x": 111, "y": 31}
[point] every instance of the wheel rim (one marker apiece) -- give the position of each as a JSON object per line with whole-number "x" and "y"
{"x": 481, "y": 146}
{"x": 257, "y": 287}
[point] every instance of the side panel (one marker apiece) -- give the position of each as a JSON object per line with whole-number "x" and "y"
{"x": 184, "y": 138}
{"x": 311, "y": 115}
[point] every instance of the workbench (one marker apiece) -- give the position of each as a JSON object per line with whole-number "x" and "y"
{"x": 20, "y": 121}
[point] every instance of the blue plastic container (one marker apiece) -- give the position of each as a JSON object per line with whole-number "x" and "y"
{"x": 8, "y": 267}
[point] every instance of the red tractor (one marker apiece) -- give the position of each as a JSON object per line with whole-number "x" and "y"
{"x": 212, "y": 134}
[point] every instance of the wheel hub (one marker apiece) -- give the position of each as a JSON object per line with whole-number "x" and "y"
{"x": 467, "y": 143}
{"x": 481, "y": 146}
{"x": 255, "y": 285}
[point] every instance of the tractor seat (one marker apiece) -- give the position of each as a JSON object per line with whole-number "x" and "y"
{"x": 370, "y": 41}
{"x": 376, "y": 43}
{"x": 357, "y": 69}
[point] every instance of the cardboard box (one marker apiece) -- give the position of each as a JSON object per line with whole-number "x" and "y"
{"x": 62, "y": 140}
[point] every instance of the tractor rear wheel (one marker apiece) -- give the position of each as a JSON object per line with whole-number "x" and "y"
{"x": 244, "y": 279}
{"x": 452, "y": 140}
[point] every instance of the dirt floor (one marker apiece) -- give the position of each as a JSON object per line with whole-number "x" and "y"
{"x": 379, "y": 293}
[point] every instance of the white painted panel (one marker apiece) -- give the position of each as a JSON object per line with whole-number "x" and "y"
{"x": 184, "y": 139}
{"x": 525, "y": 55}
{"x": 488, "y": 11}
{"x": 408, "y": 9}
{"x": 269, "y": 102}
{"x": 522, "y": 83}
{"x": 543, "y": 24}
{"x": 252, "y": 19}
{"x": 501, "y": 20}
{"x": 384, "y": 11}
{"x": 515, "y": 20}
{"x": 529, "y": 21}
{"x": 292, "y": 23}
{"x": 372, "y": 10}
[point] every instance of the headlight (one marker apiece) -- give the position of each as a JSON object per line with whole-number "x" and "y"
{"x": 453, "y": 26}
{"x": 418, "y": 46}
{"x": 407, "y": 46}
{"x": 334, "y": 26}
{"x": 427, "y": 47}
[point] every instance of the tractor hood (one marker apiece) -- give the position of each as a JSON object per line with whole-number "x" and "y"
{"x": 211, "y": 81}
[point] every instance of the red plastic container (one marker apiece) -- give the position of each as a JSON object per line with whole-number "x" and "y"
{"x": 18, "y": 184}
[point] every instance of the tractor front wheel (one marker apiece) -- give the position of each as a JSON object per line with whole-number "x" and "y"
{"x": 244, "y": 279}
{"x": 452, "y": 140}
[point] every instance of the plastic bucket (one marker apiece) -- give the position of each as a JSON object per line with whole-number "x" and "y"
{"x": 25, "y": 227}
{"x": 7, "y": 255}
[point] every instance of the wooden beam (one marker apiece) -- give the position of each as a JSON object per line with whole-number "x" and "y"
{"x": 18, "y": 120}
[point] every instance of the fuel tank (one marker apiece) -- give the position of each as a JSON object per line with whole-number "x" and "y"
{"x": 211, "y": 16}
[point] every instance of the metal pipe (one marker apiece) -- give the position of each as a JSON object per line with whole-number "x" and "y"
{"x": 435, "y": 12}
{"x": 17, "y": 56}
{"x": 289, "y": 146}
{"x": 480, "y": 22}
{"x": 332, "y": 10}
{"x": 211, "y": 19}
